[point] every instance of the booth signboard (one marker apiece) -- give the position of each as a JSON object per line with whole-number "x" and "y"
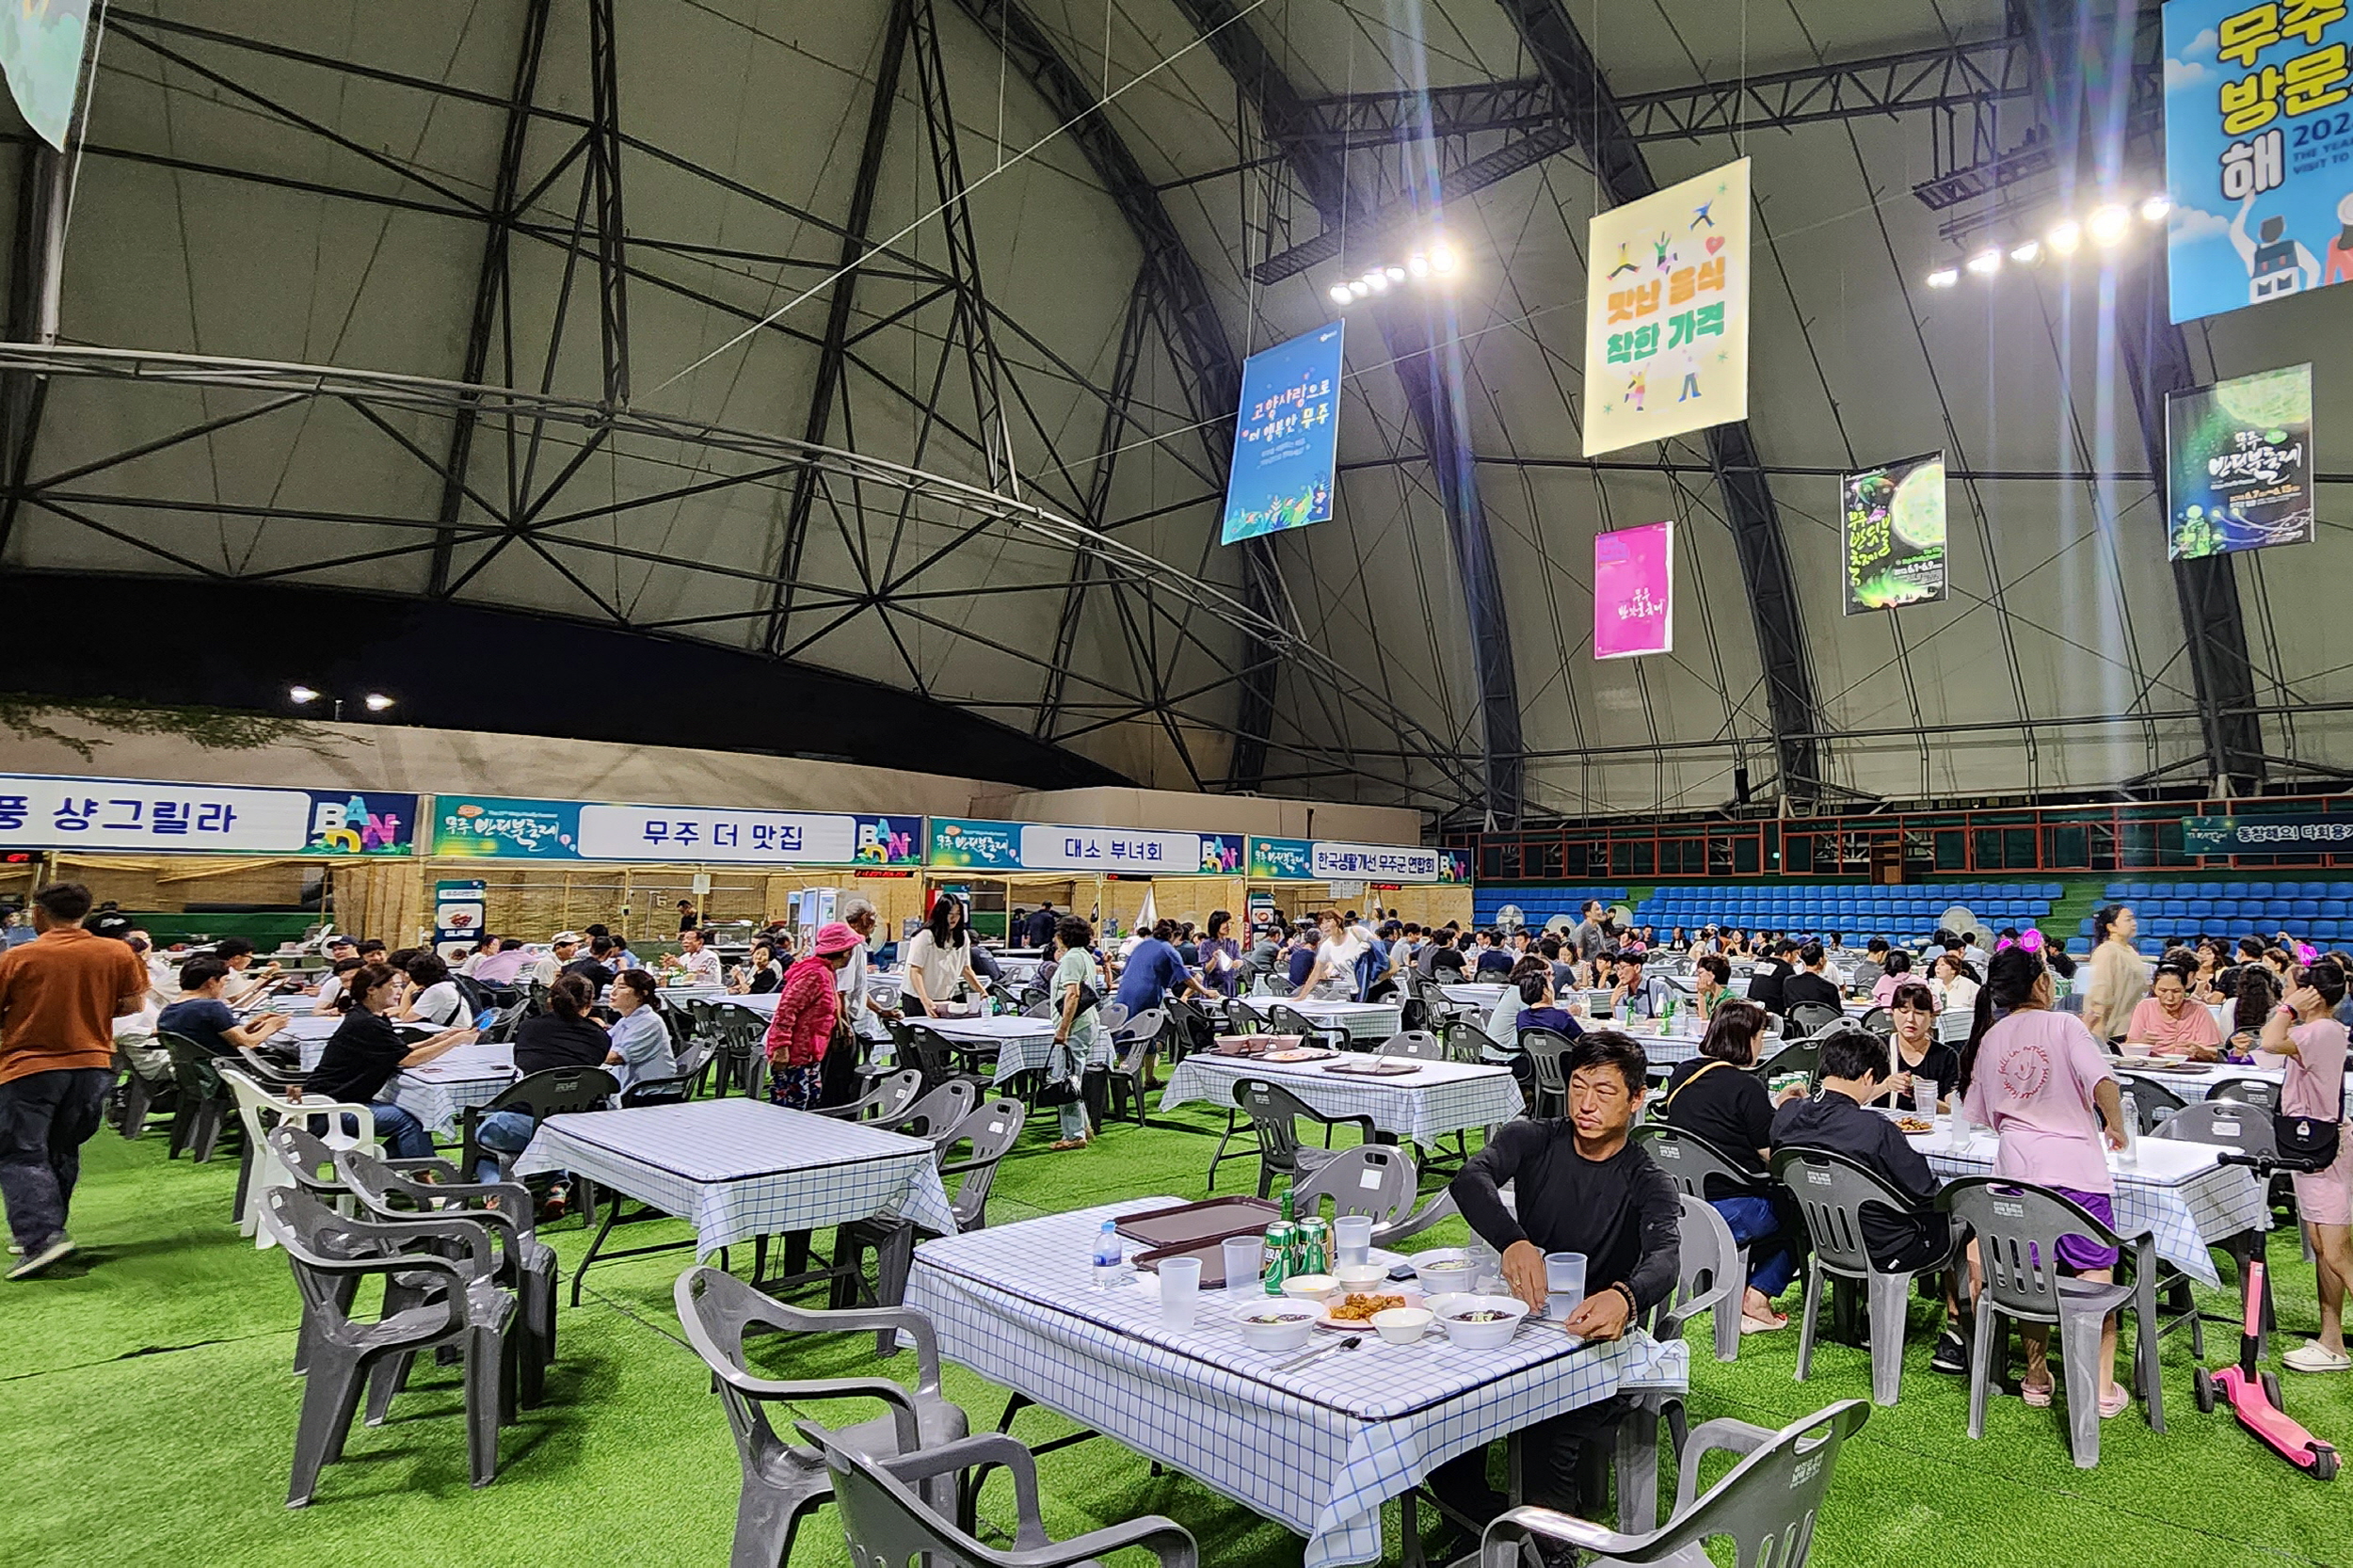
{"x": 1331, "y": 860}
{"x": 957, "y": 844}
{"x": 40, "y": 811}
{"x": 569, "y": 830}
{"x": 2267, "y": 835}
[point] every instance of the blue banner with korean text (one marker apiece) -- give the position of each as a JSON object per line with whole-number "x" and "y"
{"x": 1285, "y": 437}
{"x": 126, "y": 815}
{"x": 2257, "y": 150}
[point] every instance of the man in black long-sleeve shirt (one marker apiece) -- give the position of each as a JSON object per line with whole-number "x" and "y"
{"x": 1767, "y": 980}
{"x": 1580, "y": 1187}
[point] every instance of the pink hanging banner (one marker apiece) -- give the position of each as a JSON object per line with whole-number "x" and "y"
{"x": 1634, "y": 591}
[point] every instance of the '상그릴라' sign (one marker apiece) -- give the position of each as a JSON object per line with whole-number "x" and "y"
{"x": 39, "y": 811}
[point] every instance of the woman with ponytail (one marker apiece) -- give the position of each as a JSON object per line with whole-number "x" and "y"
{"x": 2119, "y": 978}
{"x": 2041, "y": 1081}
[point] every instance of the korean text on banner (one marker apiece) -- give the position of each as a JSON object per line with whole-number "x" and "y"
{"x": 1373, "y": 862}
{"x": 1634, "y": 591}
{"x": 1893, "y": 524}
{"x": 1284, "y": 437}
{"x": 42, "y": 812}
{"x": 1667, "y": 313}
{"x": 2238, "y": 464}
{"x": 2257, "y": 150}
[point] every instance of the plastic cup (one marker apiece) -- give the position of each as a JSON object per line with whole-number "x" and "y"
{"x": 1243, "y": 1256}
{"x": 1352, "y": 1234}
{"x": 1924, "y": 1094}
{"x": 1564, "y": 1284}
{"x": 1180, "y": 1288}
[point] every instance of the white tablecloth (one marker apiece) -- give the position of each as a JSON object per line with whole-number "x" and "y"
{"x": 735, "y": 1168}
{"x": 438, "y": 1092}
{"x": 1318, "y": 1449}
{"x": 1436, "y": 1099}
{"x": 1023, "y": 1044}
{"x": 2177, "y": 1191}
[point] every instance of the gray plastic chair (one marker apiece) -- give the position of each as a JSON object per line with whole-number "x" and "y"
{"x": 1419, "y": 1043}
{"x": 391, "y": 1191}
{"x": 2153, "y": 1103}
{"x": 990, "y": 1130}
{"x": 1767, "y": 1504}
{"x": 463, "y": 1311}
{"x": 938, "y": 1114}
{"x": 1831, "y": 1190}
{"x": 1284, "y": 1019}
{"x": 1132, "y": 1046}
{"x": 553, "y": 1092}
{"x": 2242, "y": 1127}
{"x": 1275, "y": 1113}
{"x": 1812, "y": 1017}
{"x": 884, "y": 1102}
{"x": 888, "y": 1523}
{"x": 2018, "y": 1227}
{"x": 1712, "y": 1275}
{"x": 1378, "y": 1179}
{"x": 2246, "y": 1091}
{"x": 1547, "y": 1055}
{"x": 783, "y": 1480}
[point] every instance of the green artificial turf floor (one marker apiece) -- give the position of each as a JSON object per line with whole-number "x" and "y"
{"x": 147, "y": 1413}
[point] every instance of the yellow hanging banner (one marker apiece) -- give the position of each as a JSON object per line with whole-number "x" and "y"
{"x": 1667, "y": 313}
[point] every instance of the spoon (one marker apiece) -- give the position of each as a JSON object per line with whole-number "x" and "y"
{"x": 1348, "y": 1344}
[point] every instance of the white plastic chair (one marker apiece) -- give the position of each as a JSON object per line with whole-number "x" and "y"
{"x": 261, "y": 1111}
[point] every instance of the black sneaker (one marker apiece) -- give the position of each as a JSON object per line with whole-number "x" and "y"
{"x": 1952, "y": 1354}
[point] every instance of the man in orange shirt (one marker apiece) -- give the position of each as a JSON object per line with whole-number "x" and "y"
{"x": 59, "y": 997}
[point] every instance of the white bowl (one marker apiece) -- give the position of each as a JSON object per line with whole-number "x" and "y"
{"x": 1366, "y": 1278}
{"x": 1311, "y": 1288}
{"x": 1402, "y": 1325}
{"x": 1478, "y": 1336}
{"x": 1295, "y": 1323}
{"x": 1446, "y": 1271}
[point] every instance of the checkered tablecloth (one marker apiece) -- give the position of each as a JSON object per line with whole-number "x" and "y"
{"x": 1021, "y": 1044}
{"x": 1472, "y": 993}
{"x": 438, "y": 1092}
{"x": 735, "y": 1168}
{"x": 2198, "y": 1084}
{"x": 2176, "y": 1193}
{"x": 1364, "y": 1021}
{"x": 1318, "y": 1449}
{"x": 1436, "y": 1099}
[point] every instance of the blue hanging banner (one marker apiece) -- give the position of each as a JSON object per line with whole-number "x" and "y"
{"x": 2257, "y": 150}
{"x": 1285, "y": 437}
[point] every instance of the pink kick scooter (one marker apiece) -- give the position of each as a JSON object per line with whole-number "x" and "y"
{"x": 2253, "y": 1395}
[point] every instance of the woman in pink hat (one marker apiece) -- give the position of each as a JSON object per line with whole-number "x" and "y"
{"x": 806, "y": 1010}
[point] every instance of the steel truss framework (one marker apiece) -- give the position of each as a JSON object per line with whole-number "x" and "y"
{"x": 521, "y": 493}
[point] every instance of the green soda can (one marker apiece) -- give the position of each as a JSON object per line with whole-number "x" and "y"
{"x": 1280, "y": 1238}
{"x": 1314, "y": 1246}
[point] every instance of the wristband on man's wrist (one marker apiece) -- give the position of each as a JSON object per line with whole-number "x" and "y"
{"x": 1632, "y": 1307}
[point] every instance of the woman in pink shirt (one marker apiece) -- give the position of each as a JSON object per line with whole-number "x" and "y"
{"x": 2304, "y": 1037}
{"x": 2041, "y": 1081}
{"x": 2171, "y": 1022}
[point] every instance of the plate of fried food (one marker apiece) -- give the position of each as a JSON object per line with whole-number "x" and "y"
{"x": 1915, "y": 1125}
{"x": 1353, "y": 1311}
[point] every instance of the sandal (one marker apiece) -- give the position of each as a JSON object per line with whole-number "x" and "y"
{"x": 2112, "y": 1404}
{"x": 1067, "y": 1143}
{"x": 2036, "y": 1394}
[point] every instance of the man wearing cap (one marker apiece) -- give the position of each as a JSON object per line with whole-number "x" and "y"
{"x": 561, "y": 951}
{"x": 807, "y": 1007}
{"x": 866, "y": 1015}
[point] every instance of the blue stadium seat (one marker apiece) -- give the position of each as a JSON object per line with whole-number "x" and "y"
{"x": 2235, "y": 889}
{"x": 2341, "y": 890}
{"x": 2114, "y": 890}
{"x": 2079, "y": 945}
{"x": 2136, "y": 890}
{"x": 2327, "y": 931}
{"x": 2200, "y": 909}
{"x": 2334, "y": 908}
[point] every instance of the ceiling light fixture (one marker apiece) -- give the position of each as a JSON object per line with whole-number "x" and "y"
{"x": 2026, "y": 252}
{"x": 1441, "y": 258}
{"x": 2066, "y": 236}
{"x": 1358, "y": 289}
{"x": 1944, "y": 277}
{"x": 1340, "y": 295}
{"x": 1986, "y": 262}
{"x": 1377, "y": 280}
{"x": 376, "y": 702}
{"x": 2154, "y": 209}
{"x": 302, "y": 694}
{"x": 2108, "y": 225}
{"x": 1419, "y": 266}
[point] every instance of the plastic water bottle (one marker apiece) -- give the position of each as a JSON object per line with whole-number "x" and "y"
{"x": 2129, "y": 1153}
{"x": 1107, "y": 1258}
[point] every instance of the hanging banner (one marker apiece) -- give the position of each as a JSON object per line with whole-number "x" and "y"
{"x": 2265, "y": 835}
{"x": 2239, "y": 472}
{"x": 1667, "y": 313}
{"x": 1894, "y": 529}
{"x": 568, "y": 830}
{"x": 2258, "y": 134}
{"x": 41, "y": 50}
{"x": 1634, "y": 591}
{"x": 1281, "y": 859}
{"x": 39, "y": 811}
{"x": 1285, "y": 444}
